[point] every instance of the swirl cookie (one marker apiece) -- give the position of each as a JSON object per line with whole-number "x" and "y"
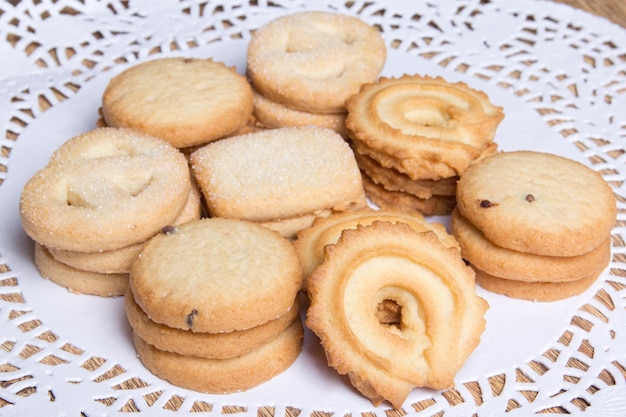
{"x": 395, "y": 181}
{"x": 105, "y": 189}
{"x": 386, "y": 199}
{"x": 279, "y": 175}
{"x": 538, "y": 203}
{"x": 394, "y": 309}
{"x": 314, "y": 61}
{"x": 216, "y": 275}
{"x": 424, "y": 126}
{"x": 311, "y": 241}
{"x": 186, "y": 101}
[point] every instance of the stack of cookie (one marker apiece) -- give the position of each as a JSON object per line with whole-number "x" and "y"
{"x": 533, "y": 225}
{"x": 415, "y": 135}
{"x": 280, "y": 178}
{"x": 304, "y": 66}
{"x": 187, "y": 101}
{"x": 213, "y": 305}
{"x": 101, "y": 196}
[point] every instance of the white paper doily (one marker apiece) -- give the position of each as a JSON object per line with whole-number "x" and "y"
{"x": 560, "y": 75}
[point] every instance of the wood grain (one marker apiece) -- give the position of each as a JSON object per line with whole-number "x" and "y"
{"x": 614, "y": 10}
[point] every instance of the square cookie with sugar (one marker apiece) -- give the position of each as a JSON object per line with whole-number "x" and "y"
{"x": 279, "y": 175}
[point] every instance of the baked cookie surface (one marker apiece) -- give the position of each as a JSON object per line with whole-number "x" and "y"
{"x": 76, "y": 280}
{"x": 506, "y": 263}
{"x": 216, "y": 275}
{"x": 538, "y": 203}
{"x": 314, "y": 61}
{"x": 105, "y": 189}
{"x": 425, "y": 127}
{"x": 394, "y": 309}
{"x": 222, "y": 376}
{"x": 223, "y": 345}
{"x": 186, "y": 101}
{"x": 278, "y": 174}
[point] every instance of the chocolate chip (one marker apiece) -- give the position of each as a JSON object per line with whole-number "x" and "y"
{"x": 487, "y": 204}
{"x": 530, "y": 198}
{"x": 168, "y": 230}
{"x": 191, "y": 316}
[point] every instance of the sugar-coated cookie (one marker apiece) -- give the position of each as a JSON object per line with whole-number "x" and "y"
{"x": 105, "y": 189}
{"x": 216, "y": 275}
{"x": 279, "y": 174}
{"x": 222, "y": 376}
{"x": 120, "y": 260}
{"x": 186, "y": 101}
{"x": 538, "y": 203}
{"x": 314, "y": 60}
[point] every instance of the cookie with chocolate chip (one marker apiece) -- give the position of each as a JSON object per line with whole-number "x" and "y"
{"x": 216, "y": 275}
{"x": 534, "y": 226}
{"x": 538, "y": 203}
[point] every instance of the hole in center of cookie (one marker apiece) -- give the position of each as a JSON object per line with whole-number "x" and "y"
{"x": 389, "y": 313}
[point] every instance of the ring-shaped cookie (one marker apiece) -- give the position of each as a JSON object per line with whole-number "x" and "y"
{"x": 423, "y": 123}
{"x": 394, "y": 309}
{"x": 311, "y": 241}
{"x": 105, "y": 189}
{"x": 314, "y": 60}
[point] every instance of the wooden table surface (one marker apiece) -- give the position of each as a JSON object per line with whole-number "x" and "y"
{"x": 614, "y": 10}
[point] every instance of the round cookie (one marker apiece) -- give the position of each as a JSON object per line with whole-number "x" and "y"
{"x": 510, "y": 264}
{"x": 186, "y": 101}
{"x": 222, "y": 376}
{"x": 105, "y": 189}
{"x": 423, "y": 126}
{"x": 273, "y": 115}
{"x": 205, "y": 345}
{"x": 394, "y": 309}
{"x": 216, "y": 275}
{"x": 311, "y": 241}
{"x": 535, "y": 291}
{"x": 538, "y": 203}
{"x": 314, "y": 60}
{"x": 76, "y": 280}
